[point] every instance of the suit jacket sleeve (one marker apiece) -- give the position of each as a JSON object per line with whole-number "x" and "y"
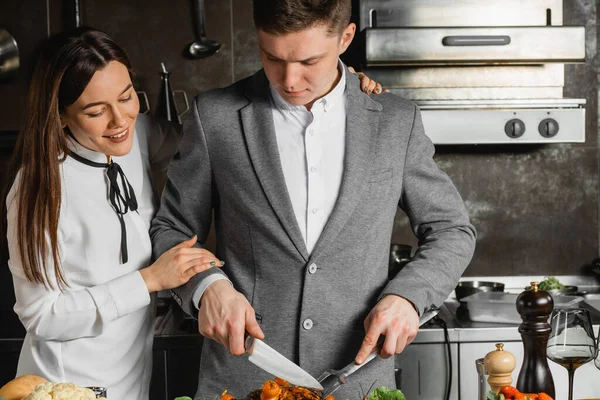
{"x": 440, "y": 221}
{"x": 187, "y": 203}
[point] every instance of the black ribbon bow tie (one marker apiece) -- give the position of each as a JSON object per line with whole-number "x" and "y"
{"x": 121, "y": 201}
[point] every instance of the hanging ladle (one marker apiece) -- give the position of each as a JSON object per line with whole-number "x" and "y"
{"x": 202, "y": 47}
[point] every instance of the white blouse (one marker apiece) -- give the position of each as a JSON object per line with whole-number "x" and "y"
{"x": 99, "y": 331}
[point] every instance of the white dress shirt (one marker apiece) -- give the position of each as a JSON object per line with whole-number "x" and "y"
{"x": 99, "y": 331}
{"x": 311, "y": 146}
{"x": 311, "y": 150}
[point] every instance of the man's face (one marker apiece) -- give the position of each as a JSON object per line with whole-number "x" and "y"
{"x": 302, "y": 66}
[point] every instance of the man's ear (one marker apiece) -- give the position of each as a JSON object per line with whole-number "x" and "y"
{"x": 347, "y": 37}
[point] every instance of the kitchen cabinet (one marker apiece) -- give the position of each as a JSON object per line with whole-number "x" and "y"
{"x": 9, "y": 357}
{"x": 176, "y": 363}
{"x": 422, "y": 371}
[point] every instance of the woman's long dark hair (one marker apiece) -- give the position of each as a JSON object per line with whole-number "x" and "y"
{"x": 64, "y": 68}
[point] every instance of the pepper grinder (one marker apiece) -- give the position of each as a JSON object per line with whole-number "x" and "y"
{"x": 499, "y": 364}
{"x": 535, "y": 307}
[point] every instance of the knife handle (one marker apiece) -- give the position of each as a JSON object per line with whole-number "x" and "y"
{"x": 248, "y": 342}
{"x": 352, "y": 368}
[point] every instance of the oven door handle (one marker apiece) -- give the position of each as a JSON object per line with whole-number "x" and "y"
{"x": 477, "y": 40}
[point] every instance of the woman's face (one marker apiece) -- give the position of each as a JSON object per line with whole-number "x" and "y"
{"x": 103, "y": 117}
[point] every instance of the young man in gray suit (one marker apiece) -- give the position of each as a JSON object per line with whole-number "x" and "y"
{"x": 304, "y": 173}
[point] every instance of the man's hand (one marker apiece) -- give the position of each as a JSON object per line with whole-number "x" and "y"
{"x": 225, "y": 315}
{"x": 396, "y": 318}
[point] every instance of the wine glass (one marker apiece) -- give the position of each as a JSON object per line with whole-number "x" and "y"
{"x": 571, "y": 343}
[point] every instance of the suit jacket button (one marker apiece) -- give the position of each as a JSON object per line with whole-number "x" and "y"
{"x": 312, "y": 268}
{"x": 307, "y": 324}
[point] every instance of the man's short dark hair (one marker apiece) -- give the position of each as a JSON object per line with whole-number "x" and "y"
{"x": 290, "y": 16}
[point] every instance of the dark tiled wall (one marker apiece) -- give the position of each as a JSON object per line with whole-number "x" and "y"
{"x": 535, "y": 207}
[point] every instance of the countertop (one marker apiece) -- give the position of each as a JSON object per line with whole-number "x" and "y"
{"x": 461, "y": 329}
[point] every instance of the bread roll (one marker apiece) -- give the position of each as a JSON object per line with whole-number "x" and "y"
{"x": 20, "y": 387}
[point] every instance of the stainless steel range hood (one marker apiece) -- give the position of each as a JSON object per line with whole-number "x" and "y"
{"x": 482, "y": 71}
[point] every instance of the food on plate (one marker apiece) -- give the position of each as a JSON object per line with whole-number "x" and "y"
{"x": 278, "y": 389}
{"x": 61, "y": 391}
{"x": 20, "y": 387}
{"x": 512, "y": 393}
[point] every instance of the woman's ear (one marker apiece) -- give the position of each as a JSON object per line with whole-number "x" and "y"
{"x": 63, "y": 122}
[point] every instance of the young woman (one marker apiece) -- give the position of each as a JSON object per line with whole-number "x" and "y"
{"x": 78, "y": 213}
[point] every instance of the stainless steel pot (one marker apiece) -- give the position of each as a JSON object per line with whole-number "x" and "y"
{"x": 9, "y": 54}
{"x": 467, "y": 288}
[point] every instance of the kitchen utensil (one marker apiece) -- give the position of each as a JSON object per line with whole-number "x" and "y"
{"x": 166, "y": 107}
{"x": 483, "y": 385}
{"x": 332, "y": 380}
{"x": 467, "y": 288}
{"x": 400, "y": 255}
{"x": 77, "y": 13}
{"x": 535, "y": 306}
{"x": 98, "y": 391}
{"x": 202, "y": 47}
{"x": 9, "y": 54}
{"x": 267, "y": 358}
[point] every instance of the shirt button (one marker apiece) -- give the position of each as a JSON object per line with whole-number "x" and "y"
{"x": 310, "y": 132}
{"x": 312, "y": 268}
{"x": 307, "y": 324}
{"x": 313, "y": 169}
{"x": 315, "y": 210}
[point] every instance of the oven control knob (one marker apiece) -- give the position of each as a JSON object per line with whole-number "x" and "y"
{"x": 548, "y": 128}
{"x": 514, "y": 128}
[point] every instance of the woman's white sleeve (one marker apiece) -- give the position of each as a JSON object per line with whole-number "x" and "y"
{"x": 74, "y": 313}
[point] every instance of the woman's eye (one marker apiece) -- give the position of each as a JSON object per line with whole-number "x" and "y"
{"x": 126, "y": 99}
{"x": 95, "y": 115}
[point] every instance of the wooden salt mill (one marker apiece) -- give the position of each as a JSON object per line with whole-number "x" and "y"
{"x": 535, "y": 307}
{"x": 500, "y": 364}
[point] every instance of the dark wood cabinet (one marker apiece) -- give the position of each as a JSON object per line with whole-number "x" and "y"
{"x": 176, "y": 366}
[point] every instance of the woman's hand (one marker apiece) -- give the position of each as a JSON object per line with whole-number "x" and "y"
{"x": 178, "y": 265}
{"x": 367, "y": 84}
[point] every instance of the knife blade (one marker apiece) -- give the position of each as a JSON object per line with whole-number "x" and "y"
{"x": 270, "y": 360}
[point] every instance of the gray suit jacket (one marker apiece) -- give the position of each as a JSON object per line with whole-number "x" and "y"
{"x": 228, "y": 163}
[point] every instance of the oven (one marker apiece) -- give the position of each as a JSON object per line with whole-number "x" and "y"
{"x": 481, "y": 71}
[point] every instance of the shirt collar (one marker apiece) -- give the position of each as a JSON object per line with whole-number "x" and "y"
{"x": 84, "y": 152}
{"x": 336, "y": 95}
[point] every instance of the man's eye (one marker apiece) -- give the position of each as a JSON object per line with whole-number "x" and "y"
{"x": 310, "y": 62}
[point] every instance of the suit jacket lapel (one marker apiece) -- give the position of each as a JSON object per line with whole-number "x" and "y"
{"x": 259, "y": 130}
{"x": 361, "y": 130}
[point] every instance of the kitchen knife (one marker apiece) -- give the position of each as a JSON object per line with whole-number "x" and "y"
{"x": 270, "y": 360}
{"x": 267, "y": 358}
